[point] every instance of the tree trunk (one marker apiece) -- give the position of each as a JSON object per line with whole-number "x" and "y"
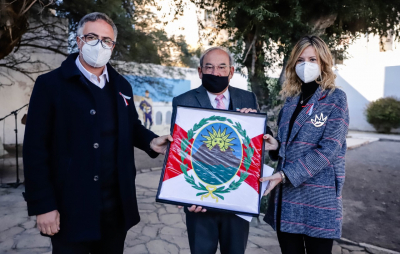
{"x": 255, "y": 67}
{"x": 282, "y": 76}
{"x": 13, "y": 24}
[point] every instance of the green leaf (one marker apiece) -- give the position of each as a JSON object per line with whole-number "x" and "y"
{"x": 198, "y": 188}
{"x": 243, "y": 176}
{"x": 247, "y": 163}
{"x": 222, "y": 191}
{"x": 184, "y": 168}
{"x": 190, "y": 134}
{"x": 184, "y": 144}
{"x": 202, "y": 186}
{"x": 183, "y": 155}
{"x": 230, "y": 121}
{"x": 201, "y": 193}
{"x": 246, "y": 141}
{"x": 221, "y": 197}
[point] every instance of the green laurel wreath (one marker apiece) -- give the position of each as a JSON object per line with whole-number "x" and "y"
{"x": 247, "y": 161}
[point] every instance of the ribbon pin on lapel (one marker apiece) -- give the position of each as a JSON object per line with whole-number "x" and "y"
{"x": 319, "y": 121}
{"x": 126, "y": 98}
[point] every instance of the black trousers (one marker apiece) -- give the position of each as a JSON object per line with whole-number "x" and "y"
{"x": 206, "y": 229}
{"x": 113, "y": 242}
{"x": 112, "y": 229}
{"x": 297, "y": 243}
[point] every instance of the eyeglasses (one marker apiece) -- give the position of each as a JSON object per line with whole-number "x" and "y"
{"x": 93, "y": 40}
{"x": 209, "y": 68}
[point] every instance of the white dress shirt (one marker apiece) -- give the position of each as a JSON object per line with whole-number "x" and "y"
{"x": 90, "y": 76}
{"x": 225, "y": 100}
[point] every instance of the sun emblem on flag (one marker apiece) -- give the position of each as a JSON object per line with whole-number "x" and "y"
{"x": 218, "y": 138}
{"x": 219, "y": 147}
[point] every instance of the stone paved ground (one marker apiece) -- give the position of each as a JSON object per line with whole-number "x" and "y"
{"x": 161, "y": 230}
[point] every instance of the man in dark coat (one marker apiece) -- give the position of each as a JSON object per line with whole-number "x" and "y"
{"x": 207, "y": 228}
{"x": 80, "y": 134}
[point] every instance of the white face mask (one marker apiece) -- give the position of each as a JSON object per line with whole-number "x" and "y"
{"x": 95, "y": 56}
{"x": 307, "y": 71}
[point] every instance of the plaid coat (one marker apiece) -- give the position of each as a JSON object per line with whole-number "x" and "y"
{"x": 313, "y": 159}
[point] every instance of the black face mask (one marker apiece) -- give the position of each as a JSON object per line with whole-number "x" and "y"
{"x": 215, "y": 84}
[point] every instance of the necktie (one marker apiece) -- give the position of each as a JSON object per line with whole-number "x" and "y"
{"x": 220, "y": 103}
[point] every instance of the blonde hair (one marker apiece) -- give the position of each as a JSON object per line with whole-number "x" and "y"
{"x": 292, "y": 84}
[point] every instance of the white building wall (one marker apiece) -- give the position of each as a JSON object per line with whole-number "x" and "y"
{"x": 368, "y": 75}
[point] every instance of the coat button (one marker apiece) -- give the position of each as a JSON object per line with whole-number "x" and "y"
{"x": 92, "y": 112}
{"x": 96, "y": 178}
{"x": 96, "y": 145}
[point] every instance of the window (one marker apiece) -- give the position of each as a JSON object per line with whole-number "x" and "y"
{"x": 168, "y": 118}
{"x": 158, "y": 118}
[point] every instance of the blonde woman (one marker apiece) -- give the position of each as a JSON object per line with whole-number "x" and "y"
{"x": 305, "y": 206}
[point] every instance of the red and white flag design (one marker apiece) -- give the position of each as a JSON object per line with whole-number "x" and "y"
{"x": 215, "y": 160}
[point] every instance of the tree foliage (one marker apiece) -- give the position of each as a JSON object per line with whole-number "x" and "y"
{"x": 138, "y": 38}
{"x": 36, "y": 25}
{"x": 384, "y": 114}
{"x": 262, "y": 33}
{"x": 14, "y": 22}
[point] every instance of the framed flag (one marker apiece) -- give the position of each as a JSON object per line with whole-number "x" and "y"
{"x": 214, "y": 161}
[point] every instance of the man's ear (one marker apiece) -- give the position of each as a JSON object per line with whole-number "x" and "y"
{"x": 232, "y": 71}
{"x": 78, "y": 42}
{"x": 200, "y": 72}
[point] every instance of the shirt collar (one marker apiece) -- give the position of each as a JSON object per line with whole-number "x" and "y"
{"x": 213, "y": 96}
{"x": 88, "y": 74}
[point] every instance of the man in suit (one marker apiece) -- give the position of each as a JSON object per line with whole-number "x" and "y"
{"x": 81, "y": 129}
{"x": 206, "y": 228}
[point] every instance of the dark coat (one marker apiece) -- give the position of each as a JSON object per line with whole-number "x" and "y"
{"x": 61, "y": 161}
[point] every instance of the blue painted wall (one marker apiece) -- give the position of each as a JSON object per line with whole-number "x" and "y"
{"x": 161, "y": 89}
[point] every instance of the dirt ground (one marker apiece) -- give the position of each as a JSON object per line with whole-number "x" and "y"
{"x": 372, "y": 195}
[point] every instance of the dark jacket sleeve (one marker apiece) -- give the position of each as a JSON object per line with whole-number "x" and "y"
{"x": 39, "y": 192}
{"x": 174, "y": 105}
{"x": 274, "y": 155}
{"x": 142, "y": 136}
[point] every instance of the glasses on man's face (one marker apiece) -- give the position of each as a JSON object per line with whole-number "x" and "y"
{"x": 209, "y": 69}
{"x": 93, "y": 40}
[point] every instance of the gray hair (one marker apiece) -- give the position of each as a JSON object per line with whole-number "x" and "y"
{"x": 91, "y": 17}
{"x": 215, "y": 48}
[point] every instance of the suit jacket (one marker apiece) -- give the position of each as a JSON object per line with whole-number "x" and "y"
{"x": 61, "y": 151}
{"x": 313, "y": 160}
{"x": 199, "y": 98}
